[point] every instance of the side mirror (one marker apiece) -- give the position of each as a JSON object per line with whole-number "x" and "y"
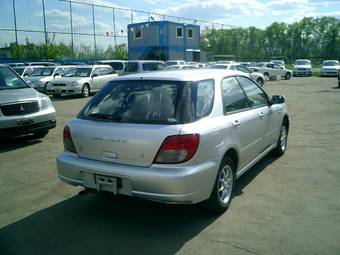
{"x": 26, "y": 74}
{"x": 277, "y": 99}
{"x": 94, "y": 75}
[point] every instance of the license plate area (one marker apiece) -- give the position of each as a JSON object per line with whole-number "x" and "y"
{"x": 106, "y": 183}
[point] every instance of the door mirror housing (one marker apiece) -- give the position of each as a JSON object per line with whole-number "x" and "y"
{"x": 94, "y": 75}
{"x": 276, "y": 99}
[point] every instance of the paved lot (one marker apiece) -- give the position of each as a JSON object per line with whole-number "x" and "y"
{"x": 289, "y": 205}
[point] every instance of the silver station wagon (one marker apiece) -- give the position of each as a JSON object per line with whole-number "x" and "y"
{"x": 173, "y": 136}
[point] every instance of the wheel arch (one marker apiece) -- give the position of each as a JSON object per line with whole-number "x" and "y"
{"x": 233, "y": 154}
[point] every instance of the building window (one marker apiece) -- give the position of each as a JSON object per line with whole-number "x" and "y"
{"x": 179, "y": 32}
{"x": 190, "y": 33}
{"x": 137, "y": 33}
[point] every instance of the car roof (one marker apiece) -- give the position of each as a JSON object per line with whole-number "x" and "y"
{"x": 146, "y": 61}
{"x": 183, "y": 75}
{"x": 91, "y": 66}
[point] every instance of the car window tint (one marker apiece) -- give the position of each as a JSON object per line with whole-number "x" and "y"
{"x": 233, "y": 97}
{"x": 131, "y": 67}
{"x": 256, "y": 96}
{"x": 242, "y": 69}
{"x": 205, "y": 98}
{"x": 153, "y": 66}
{"x": 117, "y": 65}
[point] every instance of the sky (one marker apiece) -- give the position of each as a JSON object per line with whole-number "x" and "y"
{"x": 243, "y": 13}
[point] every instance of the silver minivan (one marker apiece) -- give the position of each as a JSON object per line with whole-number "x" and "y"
{"x": 23, "y": 110}
{"x": 173, "y": 136}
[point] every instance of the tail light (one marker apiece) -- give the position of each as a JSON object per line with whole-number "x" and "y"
{"x": 177, "y": 149}
{"x": 68, "y": 143}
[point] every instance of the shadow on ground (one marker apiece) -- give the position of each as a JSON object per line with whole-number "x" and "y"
{"x": 103, "y": 224}
{"x": 10, "y": 144}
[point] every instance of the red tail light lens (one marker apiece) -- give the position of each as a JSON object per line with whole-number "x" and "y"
{"x": 68, "y": 143}
{"x": 177, "y": 149}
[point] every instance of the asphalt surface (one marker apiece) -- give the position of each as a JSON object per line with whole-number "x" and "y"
{"x": 289, "y": 205}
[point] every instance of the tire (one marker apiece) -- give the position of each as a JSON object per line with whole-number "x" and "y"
{"x": 225, "y": 180}
{"x": 40, "y": 134}
{"x": 288, "y": 76}
{"x": 281, "y": 145}
{"x": 85, "y": 91}
{"x": 266, "y": 75}
{"x": 260, "y": 81}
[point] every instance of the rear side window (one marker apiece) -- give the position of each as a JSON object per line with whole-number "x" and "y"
{"x": 256, "y": 96}
{"x": 233, "y": 97}
{"x": 153, "y": 66}
{"x": 116, "y": 65}
{"x": 204, "y": 98}
{"x": 131, "y": 67}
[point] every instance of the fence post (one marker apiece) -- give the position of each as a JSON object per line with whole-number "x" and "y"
{"x": 94, "y": 32}
{"x": 114, "y": 29}
{"x": 15, "y": 23}
{"x": 44, "y": 17}
{"x": 71, "y": 20}
{"x": 131, "y": 17}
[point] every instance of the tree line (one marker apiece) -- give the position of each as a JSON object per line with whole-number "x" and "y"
{"x": 58, "y": 51}
{"x": 312, "y": 38}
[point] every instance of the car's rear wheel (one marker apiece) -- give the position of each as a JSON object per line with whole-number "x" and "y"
{"x": 85, "y": 92}
{"x": 40, "y": 134}
{"x": 266, "y": 75}
{"x": 260, "y": 81}
{"x": 283, "y": 139}
{"x": 222, "y": 192}
{"x": 288, "y": 76}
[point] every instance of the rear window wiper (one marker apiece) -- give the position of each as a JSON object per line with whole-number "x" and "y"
{"x": 105, "y": 116}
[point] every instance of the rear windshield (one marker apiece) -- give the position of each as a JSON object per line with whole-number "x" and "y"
{"x": 151, "y": 102}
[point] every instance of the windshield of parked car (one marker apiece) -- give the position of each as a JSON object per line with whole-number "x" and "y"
{"x": 151, "y": 102}
{"x": 258, "y": 64}
{"x": 9, "y": 80}
{"x": 42, "y": 71}
{"x": 302, "y": 63}
{"x": 218, "y": 67}
{"x": 78, "y": 72}
{"x": 330, "y": 63}
{"x": 19, "y": 70}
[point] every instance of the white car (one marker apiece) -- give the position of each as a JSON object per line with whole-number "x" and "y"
{"x": 271, "y": 70}
{"x": 302, "y": 67}
{"x": 256, "y": 76}
{"x": 41, "y": 76}
{"x": 117, "y": 65}
{"x": 330, "y": 68}
{"x": 82, "y": 80}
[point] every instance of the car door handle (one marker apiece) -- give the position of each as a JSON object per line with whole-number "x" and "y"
{"x": 261, "y": 115}
{"x": 236, "y": 123}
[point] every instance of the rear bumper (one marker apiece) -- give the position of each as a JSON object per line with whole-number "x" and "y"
{"x": 168, "y": 183}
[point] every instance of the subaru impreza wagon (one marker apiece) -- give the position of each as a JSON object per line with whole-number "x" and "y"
{"x": 173, "y": 136}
